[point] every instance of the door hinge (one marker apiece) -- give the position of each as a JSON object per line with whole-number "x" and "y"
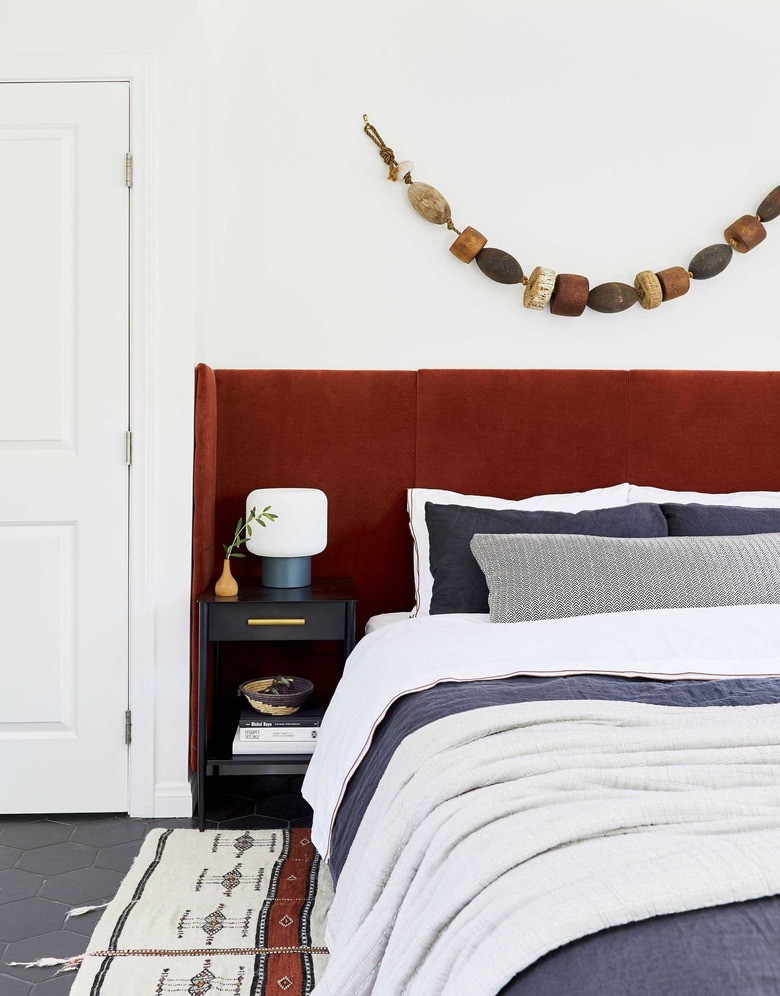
{"x": 129, "y": 169}
{"x": 128, "y": 727}
{"x": 128, "y": 447}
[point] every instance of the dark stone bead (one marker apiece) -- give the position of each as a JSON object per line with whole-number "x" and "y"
{"x": 611, "y": 298}
{"x": 499, "y": 266}
{"x": 711, "y": 261}
{"x": 769, "y": 208}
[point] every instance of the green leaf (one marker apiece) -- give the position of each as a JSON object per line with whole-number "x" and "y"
{"x": 261, "y": 523}
{"x": 241, "y": 555}
{"x": 249, "y": 531}
{"x": 225, "y": 548}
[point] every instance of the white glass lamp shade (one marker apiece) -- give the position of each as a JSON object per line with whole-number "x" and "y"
{"x": 301, "y": 529}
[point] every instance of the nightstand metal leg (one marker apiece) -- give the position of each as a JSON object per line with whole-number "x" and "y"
{"x": 203, "y": 669}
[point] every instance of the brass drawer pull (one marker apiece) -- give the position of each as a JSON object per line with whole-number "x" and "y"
{"x": 276, "y": 622}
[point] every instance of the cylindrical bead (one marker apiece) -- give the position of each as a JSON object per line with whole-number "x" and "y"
{"x": 745, "y": 234}
{"x": 612, "y": 297}
{"x": 428, "y": 202}
{"x": 539, "y": 289}
{"x": 499, "y": 266}
{"x": 711, "y": 261}
{"x": 570, "y": 295}
{"x": 674, "y": 282}
{"x": 468, "y": 244}
{"x": 648, "y": 289}
{"x": 769, "y": 208}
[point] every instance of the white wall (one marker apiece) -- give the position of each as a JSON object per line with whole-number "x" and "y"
{"x": 597, "y": 138}
{"x": 601, "y": 138}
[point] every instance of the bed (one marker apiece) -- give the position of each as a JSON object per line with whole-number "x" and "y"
{"x": 637, "y": 875}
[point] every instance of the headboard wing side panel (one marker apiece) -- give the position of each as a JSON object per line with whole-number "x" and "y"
{"x": 203, "y": 497}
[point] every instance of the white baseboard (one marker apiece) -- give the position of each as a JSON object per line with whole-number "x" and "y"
{"x": 172, "y": 800}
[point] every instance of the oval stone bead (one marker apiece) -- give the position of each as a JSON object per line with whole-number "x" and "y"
{"x": 428, "y": 202}
{"x": 769, "y": 208}
{"x": 499, "y": 266}
{"x": 612, "y": 297}
{"x": 711, "y": 261}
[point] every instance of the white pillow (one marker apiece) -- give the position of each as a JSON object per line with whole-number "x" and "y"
{"x": 577, "y": 501}
{"x": 748, "y": 499}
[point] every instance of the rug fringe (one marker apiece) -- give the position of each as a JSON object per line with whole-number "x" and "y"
{"x": 81, "y": 910}
{"x": 65, "y": 964}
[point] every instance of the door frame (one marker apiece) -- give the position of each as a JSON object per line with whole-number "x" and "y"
{"x": 139, "y": 73}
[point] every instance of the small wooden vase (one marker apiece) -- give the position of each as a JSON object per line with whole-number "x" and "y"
{"x": 226, "y": 585}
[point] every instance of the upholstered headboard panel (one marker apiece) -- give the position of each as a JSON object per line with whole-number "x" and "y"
{"x": 365, "y": 436}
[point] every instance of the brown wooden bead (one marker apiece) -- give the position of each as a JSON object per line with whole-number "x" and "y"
{"x": 648, "y": 289}
{"x": 769, "y": 208}
{"x": 612, "y": 297}
{"x": 711, "y": 261}
{"x": 468, "y": 244}
{"x": 674, "y": 282}
{"x": 499, "y": 266}
{"x": 745, "y": 234}
{"x": 570, "y": 295}
{"x": 428, "y": 202}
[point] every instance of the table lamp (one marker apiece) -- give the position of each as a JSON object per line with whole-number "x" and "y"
{"x": 287, "y": 544}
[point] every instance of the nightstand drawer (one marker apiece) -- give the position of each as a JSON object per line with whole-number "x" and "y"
{"x": 278, "y": 621}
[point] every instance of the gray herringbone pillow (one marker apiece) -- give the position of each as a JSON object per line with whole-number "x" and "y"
{"x": 544, "y": 576}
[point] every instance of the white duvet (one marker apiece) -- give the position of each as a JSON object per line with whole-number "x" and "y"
{"x": 734, "y": 641}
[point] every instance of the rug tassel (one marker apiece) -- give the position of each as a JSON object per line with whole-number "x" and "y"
{"x": 81, "y": 910}
{"x": 65, "y": 964}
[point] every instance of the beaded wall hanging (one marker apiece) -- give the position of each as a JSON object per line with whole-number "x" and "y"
{"x": 569, "y": 293}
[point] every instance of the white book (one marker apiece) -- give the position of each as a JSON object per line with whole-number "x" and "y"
{"x": 278, "y": 734}
{"x": 272, "y": 747}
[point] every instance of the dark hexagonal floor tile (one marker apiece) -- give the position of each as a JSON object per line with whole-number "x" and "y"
{"x": 180, "y": 823}
{"x": 17, "y": 884}
{"x": 57, "y": 858}
{"x": 79, "y": 819}
{"x": 15, "y": 987}
{"x": 108, "y": 832}
{"x": 290, "y": 806}
{"x": 27, "y": 835}
{"x": 8, "y": 856}
{"x": 82, "y": 887}
{"x": 253, "y": 823}
{"x": 229, "y": 807}
{"x": 30, "y": 918}
{"x": 119, "y": 857}
{"x": 55, "y": 944}
{"x": 58, "y": 986}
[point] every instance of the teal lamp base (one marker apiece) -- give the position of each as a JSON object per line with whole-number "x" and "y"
{"x": 286, "y": 572}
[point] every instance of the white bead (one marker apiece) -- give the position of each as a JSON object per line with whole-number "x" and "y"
{"x": 403, "y": 168}
{"x": 540, "y": 287}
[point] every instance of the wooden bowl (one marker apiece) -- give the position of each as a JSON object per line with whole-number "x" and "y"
{"x": 283, "y": 704}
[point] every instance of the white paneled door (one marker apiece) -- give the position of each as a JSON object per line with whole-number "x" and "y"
{"x": 64, "y": 297}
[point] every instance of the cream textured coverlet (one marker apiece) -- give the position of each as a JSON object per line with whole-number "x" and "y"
{"x": 500, "y": 834}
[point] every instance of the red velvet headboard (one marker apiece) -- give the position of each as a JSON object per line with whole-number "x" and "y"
{"x": 365, "y": 436}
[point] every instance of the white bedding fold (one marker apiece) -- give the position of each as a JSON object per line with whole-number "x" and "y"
{"x": 500, "y": 834}
{"x": 734, "y": 641}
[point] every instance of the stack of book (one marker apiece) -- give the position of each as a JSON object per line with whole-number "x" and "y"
{"x": 259, "y": 733}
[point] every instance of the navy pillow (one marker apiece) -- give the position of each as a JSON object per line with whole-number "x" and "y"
{"x": 458, "y": 582}
{"x": 720, "y": 520}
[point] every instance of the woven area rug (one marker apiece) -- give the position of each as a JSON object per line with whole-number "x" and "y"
{"x": 219, "y": 912}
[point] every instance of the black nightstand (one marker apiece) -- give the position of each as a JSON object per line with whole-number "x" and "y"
{"x": 323, "y": 611}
